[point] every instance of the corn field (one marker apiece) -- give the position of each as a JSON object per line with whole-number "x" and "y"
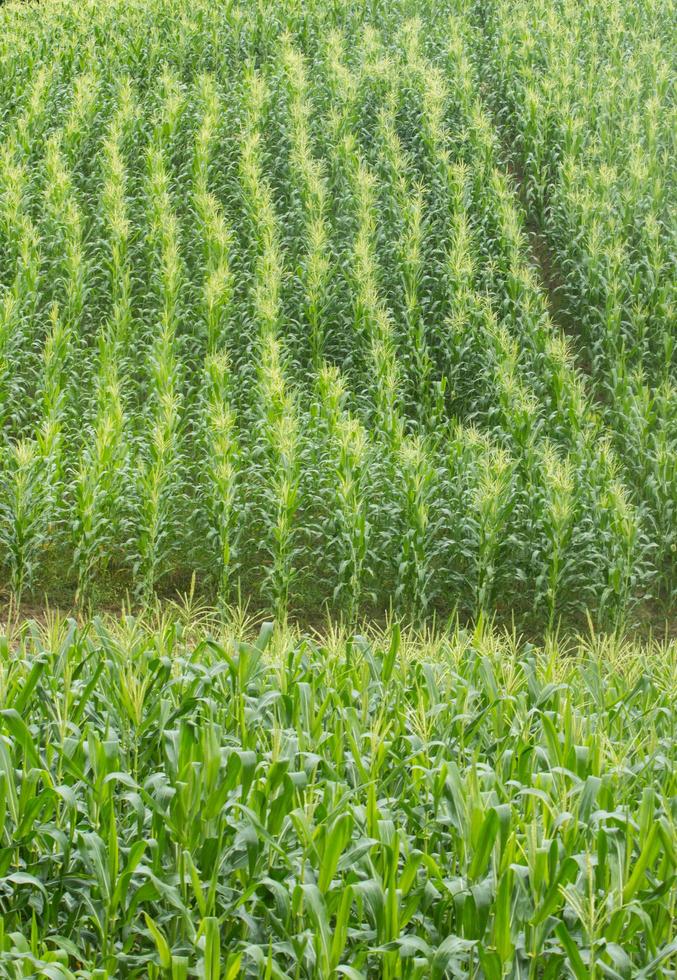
{"x": 338, "y": 351}
{"x": 272, "y": 319}
{"x": 175, "y": 807}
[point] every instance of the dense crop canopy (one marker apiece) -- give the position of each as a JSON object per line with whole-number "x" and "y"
{"x": 281, "y": 808}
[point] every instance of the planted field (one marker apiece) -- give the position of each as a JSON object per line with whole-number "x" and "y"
{"x": 270, "y": 314}
{"x": 346, "y": 313}
{"x": 364, "y": 808}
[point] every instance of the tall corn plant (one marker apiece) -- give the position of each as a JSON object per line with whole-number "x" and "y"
{"x": 9, "y": 328}
{"x": 493, "y": 503}
{"x": 416, "y": 569}
{"x": 22, "y": 290}
{"x": 309, "y": 174}
{"x": 282, "y": 452}
{"x": 276, "y": 422}
{"x": 53, "y": 432}
{"x": 116, "y": 218}
{"x": 348, "y": 453}
{"x": 213, "y": 233}
{"x": 372, "y": 319}
{"x": 409, "y": 205}
{"x": 101, "y": 480}
{"x": 25, "y": 505}
{"x": 65, "y": 234}
{"x": 159, "y": 460}
{"x": 622, "y": 521}
{"x": 101, "y": 511}
{"x": 559, "y": 503}
{"x": 221, "y": 458}
{"x": 78, "y": 123}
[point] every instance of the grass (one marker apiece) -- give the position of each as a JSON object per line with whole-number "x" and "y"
{"x": 181, "y": 798}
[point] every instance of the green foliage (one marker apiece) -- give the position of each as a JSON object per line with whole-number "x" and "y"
{"x": 176, "y": 801}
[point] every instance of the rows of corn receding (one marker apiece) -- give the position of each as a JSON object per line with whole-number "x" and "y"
{"x": 584, "y": 95}
{"x": 268, "y": 317}
{"x": 285, "y": 807}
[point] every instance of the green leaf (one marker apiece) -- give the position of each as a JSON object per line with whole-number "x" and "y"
{"x": 337, "y": 838}
{"x": 160, "y": 942}
{"x": 576, "y": 963}
{"x": 18, "y": 728}
{"x": 567, "y": 872}
{"x": 485, "y": 843}
{"x": 645, "y": 858}
{"x": 212, "y": 955}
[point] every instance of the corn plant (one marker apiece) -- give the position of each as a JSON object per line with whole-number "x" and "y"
{"x": 159, "y": 466}
{"x": 308, "y": 171}
{"x": 116, "y": 220}
{"x": 222, "y": 462}
{"x": 558, "y": 505}
{"x": 65, "y": 232}
{"x": 416, "y": 570}
{"x": 23, "y": 514}
{"x": 279, "y": 444}
{"x": 52, "y": 435}
{"x": 281, "y": 450}
{"x": 99, "y": 511}
{"x": 213, "y": 232}
{"x": 409, "y": 206}
{"x": 350, "y": 465}
{"x": 493, "y": 502}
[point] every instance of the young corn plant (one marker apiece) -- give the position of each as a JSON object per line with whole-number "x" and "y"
{"x": 394, "y": 798}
